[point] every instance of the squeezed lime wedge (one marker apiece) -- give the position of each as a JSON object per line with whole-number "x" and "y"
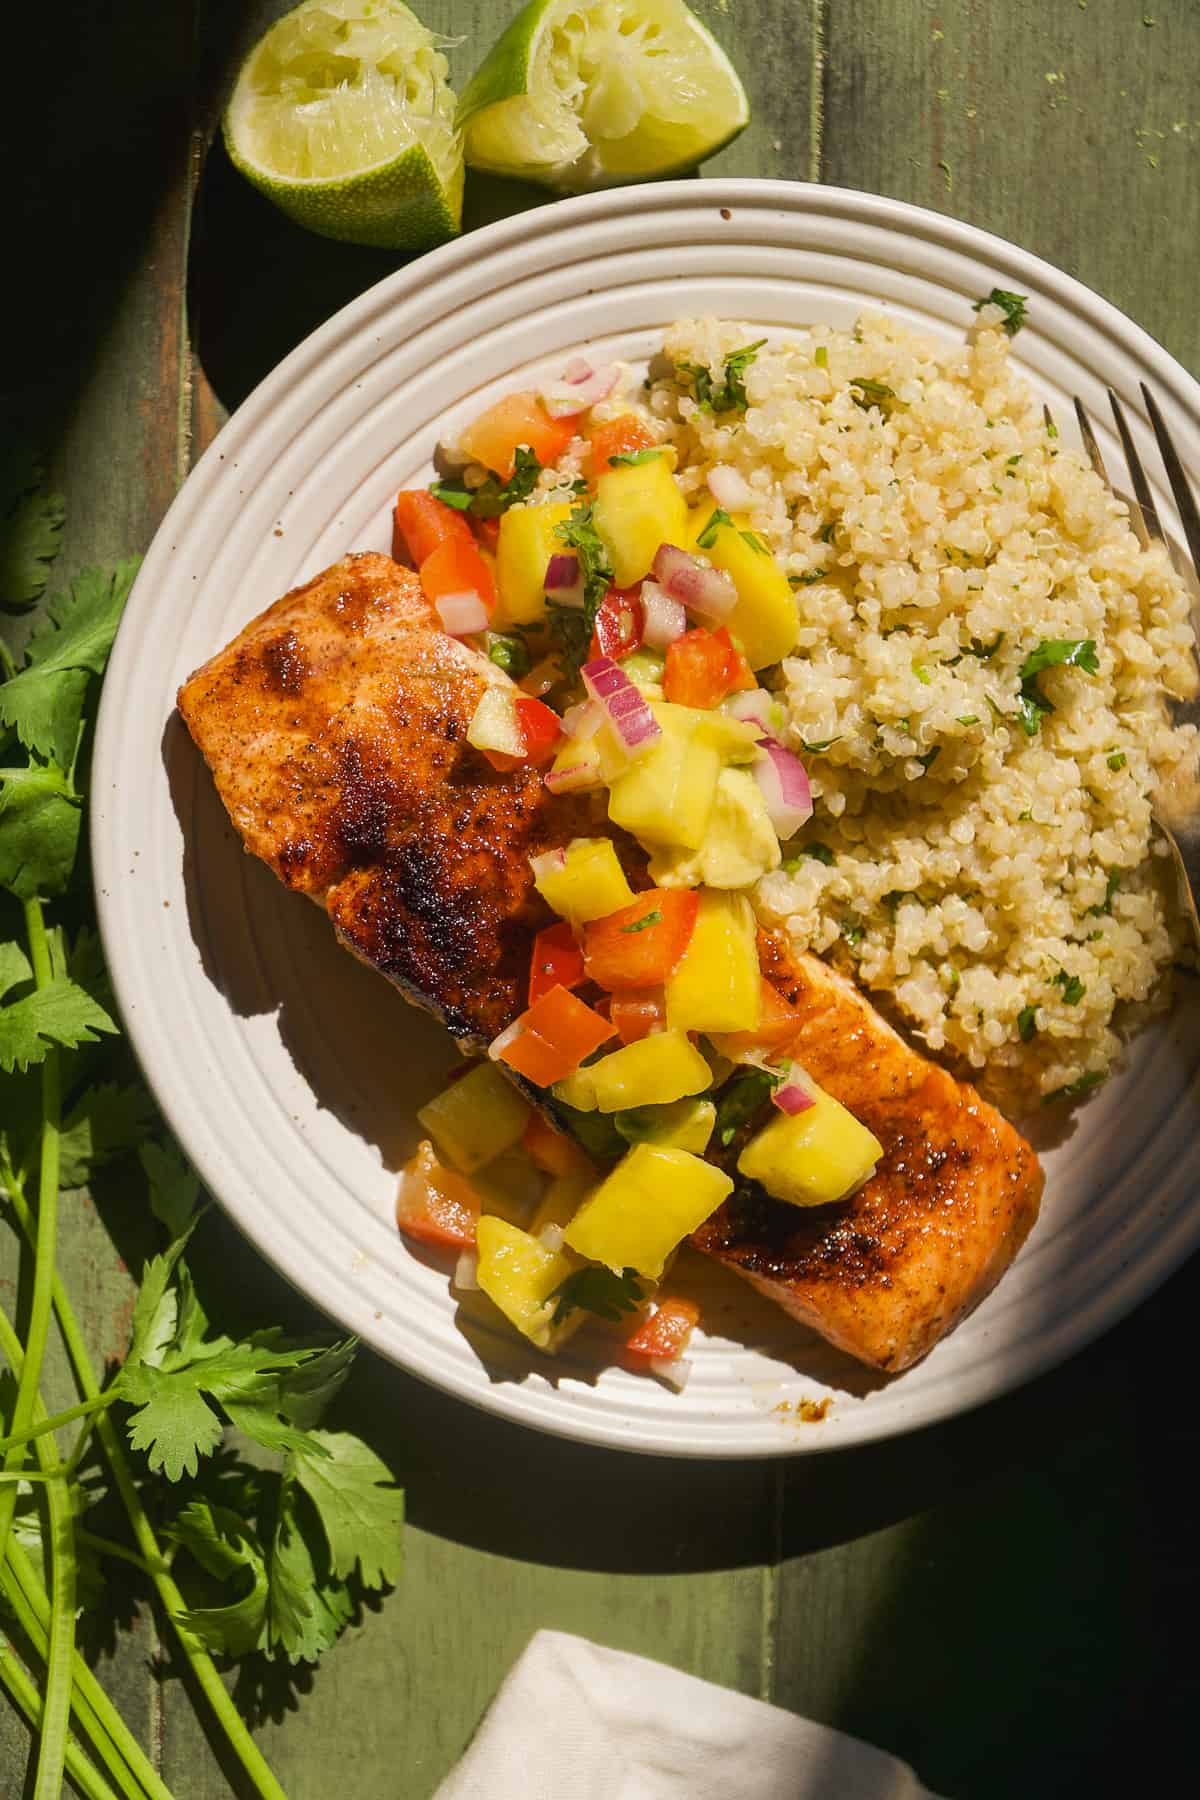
{"x": 342, "y": 116}
{"x": 581, "y": 95}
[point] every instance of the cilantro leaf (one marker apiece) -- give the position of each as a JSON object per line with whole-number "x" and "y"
{"x": 1074, "y": 1090}
{"x": 1011, "y": 305}
{"x": 646, "y": 920}
{"x": 493, "y": 496}
{"x": 817, "y": 852}
{"x": 174, "y": 1185}
{"x": 1051, "y": 653}
{"x": 307, "y": 1605}
{"x": 1027, "y": 1023}
{"x": 173, "y": 1423}
{"x": 708, "y": 536}
{"x": 1073, "y": 989}
{"x": 14, "y": 968}
{"x": 59, "y": 1013}
{"x": 571, "y": 626}
{"x": 361, "y": 1511}
{"x": 31, "y": 523}
{"x": 39, "y": 830}
{"x": 740, "y": 1099}
{"x": 450, "y": 495}
{"x": 44, "y": 702}
{"x": 509, "y": 652}
{"x": 729, "y": 393}
{"x": 867, "y": 393}
{"x": 104, "y": 1121}
{"x": 224, "y": 1546}
{"x": 631, "y": 459}
{"x": 1111, "y": 887}
{"x": 600, "y": 1291}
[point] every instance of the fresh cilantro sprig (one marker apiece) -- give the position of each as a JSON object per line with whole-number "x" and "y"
{"x": 570, "y": 627}
{"x": 1011, "y": 305}
{"x": 493, "y": 496}
{"x": 598, "y": 1290}
{"x": 726, "y": 393}
{"x": 1051, "y": 653}
{"x": 31, "y": 523}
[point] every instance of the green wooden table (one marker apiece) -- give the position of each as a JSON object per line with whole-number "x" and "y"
{"x": 1008, "y": 1600}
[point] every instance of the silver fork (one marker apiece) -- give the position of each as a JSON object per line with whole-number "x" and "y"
{"x": 1176, "y": 809}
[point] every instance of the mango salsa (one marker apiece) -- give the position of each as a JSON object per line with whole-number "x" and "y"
{"x": 764, "y": 619}
{"x": 684, "y": 1125}
{"x": 476, "y": 1118}
{"x": 716, "y": 985}
{"x": 519, "y": 1274}
{"x": 637, "y": 508}
{"x": 668, "y": 794}
{"x": 812, "y": 1158}
{"x": 651, "y": 1201}
{"x": 583, "y": 882}
{"x": 561, "y": 1201}
{"x": 739, "y": 845}
{"x": 651, "y": 1072}
{"x": 528, "y": 539}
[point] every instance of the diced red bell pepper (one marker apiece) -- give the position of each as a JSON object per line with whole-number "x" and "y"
{"x": 636, "y": 1015}
{"x": 436, "y": 1205}
{"x": 519, "y": 419}
{"x": 421, "y": 522}
{"x": 698, "y": 671}
{"x": 620, "y": 623}
{"x": 778, "y": 1023}
{"x": 557, "y": 961}
{"x": 737, "y": 670}
{"x": 639, "y": 946}
{"x": 663, "y": 1337}
{"x": 457, "y": 568}
{"x": 549, "y": 1041}
{"x": 552, "y": 1150}
{"x": 621, "y": 436}
{"x": 541, "y": 727}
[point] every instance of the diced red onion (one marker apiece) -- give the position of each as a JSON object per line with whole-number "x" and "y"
{"x": 633, "y": 724}
{"x": 461, "y": 614}
{"x": 665, "y": 619}
{"x": 729, "y": 489}
{"x": 547, "y": 863}
{"x": 784, "y": 784}
{"x": 674, "y": 1370}
{"x": 551, "y": 1237}
{"x": 753, "y": 707}
{"x": 791, "y": 1098}
{"x": 563, "y": 582}
{"x": 701, "y": 589}
{"x": 572, "y": 778}
{"x": 582, "y": 721}
{"x": 580, "y": 386}
{"x": 466, "y": 1272}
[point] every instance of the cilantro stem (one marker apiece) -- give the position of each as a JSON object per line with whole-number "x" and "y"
{"x": 87, "y": 1779}
{"x": 60, "y": 1654}
{"x": 201, "y": 1663}
{"x": 107, "y": 1547}
{"x": 55, "y": 1421}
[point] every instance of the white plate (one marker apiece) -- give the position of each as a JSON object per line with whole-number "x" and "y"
{"x": 290, "y": 1073}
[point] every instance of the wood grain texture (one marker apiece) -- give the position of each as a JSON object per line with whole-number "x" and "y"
{"x": 996, "y": 1598}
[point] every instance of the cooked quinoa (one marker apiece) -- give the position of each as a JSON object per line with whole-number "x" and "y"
{"x": 1004, "y": 886}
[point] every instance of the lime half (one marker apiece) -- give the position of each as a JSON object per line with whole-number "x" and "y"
{"x": 582, "y": 95}
{"x": 343, "y": 117}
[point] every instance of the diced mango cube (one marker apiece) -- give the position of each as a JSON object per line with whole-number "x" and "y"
{"x": 651, "y": 1201}
{"x": 736, "y": 739}
{"x": 739, "y": 845}
{"x": 528, "y": 539}
{"x": 667, "y": 796}
{"x": 637, "y": 508}
{"x": 716, "y": 985}
{"x": 476, "y": 1118}
{"x": 812, "y": 1158}
{"x": 583, "y": 882}
{"x": 577, "y": 1090}
{"x": 684, "y": 1125}
{"x": 764, "y": 620}
{"x": 651, "y": 1072}
{"x": 519, "y": 1274}
{"x": 561, "y": 1201}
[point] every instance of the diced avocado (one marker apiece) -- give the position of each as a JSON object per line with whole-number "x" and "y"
{"x": 476, "y": 1118}
{"x": 739, "y": 845}
{"x": 765, "y": 619}
{"x": 716, "y": 984}
{"x": 651, "y": 1201}
{"x": 583, "y": 882}
{"x": 684, "y": 1125}
{"x": 561, "y": 1201}
{"x": 638, "y": 507}
{"x": 519, "y": 1274}
{"x": 812, "y": 1158}
{"x": 652, "y": 1072}
{"x": 667, "y": 795}
{"x": 528, "y": 539}
{"x": 645, "y": 669}
{"x": 509, "y": 1186}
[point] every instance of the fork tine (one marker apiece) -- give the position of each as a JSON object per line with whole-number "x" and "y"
{"x": 1185, "y": 500}
{"x": 1090, "y": 444}
{"x": 1145, "y": 514}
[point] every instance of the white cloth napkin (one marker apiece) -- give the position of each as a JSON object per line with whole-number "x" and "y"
{"x": 576, "y": 1721}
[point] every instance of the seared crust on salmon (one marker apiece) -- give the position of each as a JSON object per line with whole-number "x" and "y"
{"x": 335, "y": 727}
{"x": 888, "y": 1272}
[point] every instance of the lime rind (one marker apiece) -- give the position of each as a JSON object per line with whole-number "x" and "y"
{"x": 343, "y": 117}
{"x": 581, "y": 95}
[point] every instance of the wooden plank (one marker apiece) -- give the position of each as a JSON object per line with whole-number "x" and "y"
{"x": 1072, "y": 129}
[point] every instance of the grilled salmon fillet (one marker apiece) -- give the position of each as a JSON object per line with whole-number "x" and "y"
{"x": 888, "y": 1272}
{"x": 335, "y": 729}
